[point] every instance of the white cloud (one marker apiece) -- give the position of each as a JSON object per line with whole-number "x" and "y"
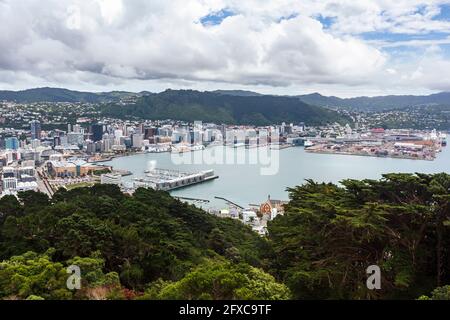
{"x": 130, "y": 44}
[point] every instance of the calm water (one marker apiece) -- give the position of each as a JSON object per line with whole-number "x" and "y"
{"x": 244, "y": 184}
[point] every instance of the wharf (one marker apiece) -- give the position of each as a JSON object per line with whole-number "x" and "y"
{"x": 167, "y": 180}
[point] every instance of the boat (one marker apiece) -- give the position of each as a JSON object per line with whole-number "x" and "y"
{"x": 309, "y": 143}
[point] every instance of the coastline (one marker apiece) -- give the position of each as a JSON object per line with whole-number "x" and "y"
{"x": 368, "y": 155}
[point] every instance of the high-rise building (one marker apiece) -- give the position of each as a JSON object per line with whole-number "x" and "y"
{"x": 75, "y": 138}
{"x": 96, "y": 132}
{"x": 77, "y": 128}
{"x": 150, "y": 132}
{"x": 36, "y": 143}
{"x": 107, "y": 144}
{"x": 56, "y": 141}
{"x": 90, "y": 147}
{"x": 12, "y": 143}
{"x": 137, "y": 139}
{"x": 35, "y": 127}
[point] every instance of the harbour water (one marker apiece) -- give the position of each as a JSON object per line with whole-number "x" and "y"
{"x": 244, "y": 184}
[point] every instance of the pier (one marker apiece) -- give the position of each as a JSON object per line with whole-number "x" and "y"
{"x": 193, "y": 199}
{"x": 230, "y": 202}
{"x": 123, "y": 173}
{"x": 167, "y": 180}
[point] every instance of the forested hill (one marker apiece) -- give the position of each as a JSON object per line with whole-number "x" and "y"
{"x": 62, "y": 95}
{"x": 379, "y": 103}
{"x": 216, "y": 107}
{"x": 125, "y": 243}
{"x": 229, "y": 100}
{"x": 152, "y": 246}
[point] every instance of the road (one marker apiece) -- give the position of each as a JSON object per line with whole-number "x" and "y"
{"x": 43, "y": 184}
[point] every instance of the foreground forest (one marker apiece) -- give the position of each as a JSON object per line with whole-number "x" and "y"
{"x": 151, "y": 246}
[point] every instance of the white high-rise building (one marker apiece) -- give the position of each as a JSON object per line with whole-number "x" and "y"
{"x": 77, "y": 128}
{"x": 137, "y": 140}
{"x": 35, "y": 143}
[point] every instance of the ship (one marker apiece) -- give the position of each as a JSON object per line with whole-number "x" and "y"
{"x": 308, "y": 143}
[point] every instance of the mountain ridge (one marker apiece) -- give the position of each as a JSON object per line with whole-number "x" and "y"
{"x": 48, "y": 94}
{"x": 191, "y": 105}
{"x": 377, "y": 103}
{"x": 51, "y": 94}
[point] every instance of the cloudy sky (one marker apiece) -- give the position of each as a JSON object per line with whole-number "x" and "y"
{"x": 340, "y": 47}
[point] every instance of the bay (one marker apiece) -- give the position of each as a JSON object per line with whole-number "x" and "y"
{"x": 244, "y": 184}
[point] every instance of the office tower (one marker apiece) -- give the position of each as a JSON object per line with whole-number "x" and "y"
{"x": 35, "y": 127}
{"x": 137, "y": 139}
{"x": 12, "y": 143}
{"x": 97, "y": 132}
{"x": 77, "y": 128}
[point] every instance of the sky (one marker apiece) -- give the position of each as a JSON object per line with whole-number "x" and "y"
{"x": 344, "y": 48}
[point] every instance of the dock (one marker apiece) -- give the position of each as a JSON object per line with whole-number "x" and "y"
{"x": 167, "y": 180}
{"x": 230, "y": 202}
{"x": 193, "y": 199}
{"x": 123, "y": 173}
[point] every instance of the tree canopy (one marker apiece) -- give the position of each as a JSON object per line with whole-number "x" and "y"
{"x": 141, "y": 238}
{"x": 330, "y": 234}
{"x": 152, "y": 246}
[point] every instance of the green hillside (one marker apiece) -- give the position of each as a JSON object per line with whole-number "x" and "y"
{"x": 191, "y": 105}
{"x": 62, "y": 95}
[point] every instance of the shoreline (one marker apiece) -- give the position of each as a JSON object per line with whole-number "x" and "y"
{"x": 368, "y": 155}
{"x": 116, "y": 156}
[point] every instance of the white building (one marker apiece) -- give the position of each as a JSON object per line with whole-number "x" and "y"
{"x": 35, "y": 143}
{"x": 119, "y": 147}
{"x": 27, "y": 186}
{"x": 261, "y": 230}
{"x": 249, "y": 216}
{"x": 137, "y": 140}
{"x": 9, "y": 183}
